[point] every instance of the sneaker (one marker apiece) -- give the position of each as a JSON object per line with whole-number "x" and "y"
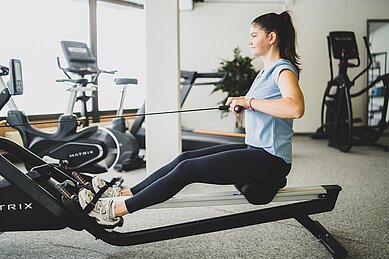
{"x": 98, "y": 183}
{"x": 103, "y": 210}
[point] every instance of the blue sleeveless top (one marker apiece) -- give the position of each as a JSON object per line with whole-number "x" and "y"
{"x": 263, "y": 130}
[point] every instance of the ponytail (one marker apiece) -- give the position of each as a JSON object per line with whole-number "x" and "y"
{"x": 282, "y": 25}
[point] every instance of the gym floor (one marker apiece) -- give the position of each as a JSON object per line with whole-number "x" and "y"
{"x": 360, "y": 220}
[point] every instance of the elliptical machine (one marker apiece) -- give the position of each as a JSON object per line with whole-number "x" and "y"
{"x": 81, "y": 63}
{"x": 89, "y": 150}
{"x": 337, "y": 121}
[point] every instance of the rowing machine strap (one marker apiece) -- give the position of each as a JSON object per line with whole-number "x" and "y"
{"x": 97, "y": 196}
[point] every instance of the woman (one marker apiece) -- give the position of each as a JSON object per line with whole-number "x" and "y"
{"x": 271, "y": 104}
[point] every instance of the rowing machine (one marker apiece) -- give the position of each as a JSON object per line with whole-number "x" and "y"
{"x": 49, "y": 209}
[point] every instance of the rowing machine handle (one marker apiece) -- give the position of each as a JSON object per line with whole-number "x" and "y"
{"x": 238, "y": 108}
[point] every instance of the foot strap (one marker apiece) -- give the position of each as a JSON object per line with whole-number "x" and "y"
{"x": 97, "y": 195}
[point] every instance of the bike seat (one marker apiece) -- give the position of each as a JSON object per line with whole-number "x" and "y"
{"x": 126, "y": 81}
{"x": 262, "y": 192}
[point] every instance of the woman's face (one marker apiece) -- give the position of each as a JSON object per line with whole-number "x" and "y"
{"x": 259, "y": 41}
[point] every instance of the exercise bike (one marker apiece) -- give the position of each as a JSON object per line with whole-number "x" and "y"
{"x": 337, "y": 121}
{"x": 89, "y": 150}
{"x": 82, "y": 63}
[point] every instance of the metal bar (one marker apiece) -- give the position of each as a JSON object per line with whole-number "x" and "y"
{"x": 93, "y": 48}
{"x": 121, "y": 104}
{"x": 129, "y": 3}
{"x": 332, "y": 245}
{"x": 235, "y": 197}
{"x": 10, "y": 102}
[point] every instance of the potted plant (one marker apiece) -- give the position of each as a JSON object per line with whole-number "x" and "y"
{"x": 240, "y": 75}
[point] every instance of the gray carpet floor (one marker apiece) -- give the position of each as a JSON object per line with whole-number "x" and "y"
{"x": 359, "y": 220}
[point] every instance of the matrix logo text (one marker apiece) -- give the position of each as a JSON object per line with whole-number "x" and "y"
{"x": 15, "y": 206}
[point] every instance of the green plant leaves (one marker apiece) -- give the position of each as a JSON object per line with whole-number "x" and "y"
{"x": 240, "y": 75}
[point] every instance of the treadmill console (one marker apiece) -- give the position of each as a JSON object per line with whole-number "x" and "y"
{"x": 16, "y": 80}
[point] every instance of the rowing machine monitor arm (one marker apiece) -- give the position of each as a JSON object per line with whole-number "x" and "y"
{"x": 4, "y": 93}
{"x": 15, "y": 86}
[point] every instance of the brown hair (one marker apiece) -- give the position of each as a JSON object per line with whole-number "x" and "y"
{"x": 282, "y": 25}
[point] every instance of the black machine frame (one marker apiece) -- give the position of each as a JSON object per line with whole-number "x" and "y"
{"x": 337, "y": 120}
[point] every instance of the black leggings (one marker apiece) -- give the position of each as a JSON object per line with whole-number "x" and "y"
{"x": 223, "y": 164}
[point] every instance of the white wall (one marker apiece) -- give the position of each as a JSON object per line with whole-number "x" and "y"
{"x": 212, "y": 30}
{"x": 159, "y": 82}
{"x": 209, "y": 33}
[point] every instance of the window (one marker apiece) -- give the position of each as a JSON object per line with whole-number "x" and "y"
{"x": 121, "y": 47}
{"x": 32, "y": 34}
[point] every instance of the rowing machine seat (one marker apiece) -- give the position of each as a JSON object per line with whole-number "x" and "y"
{"x": 260, "y": 193}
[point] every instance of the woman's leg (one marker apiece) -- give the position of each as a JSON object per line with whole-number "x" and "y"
{"x": 186, "y": 155}
{"x": 227, "y": 167}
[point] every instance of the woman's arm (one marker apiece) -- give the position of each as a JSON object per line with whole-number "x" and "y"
{"x": 290, "y": 106}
